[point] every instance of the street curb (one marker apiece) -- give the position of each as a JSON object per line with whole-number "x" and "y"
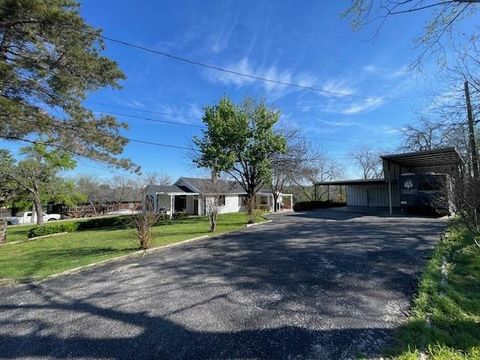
{"x": 118, "y": 258}
{"x": 47, "y": 236}
{"x": 261, "y": 223}
{"x": 123, "y": 257}
{"x": 34, "y": 238}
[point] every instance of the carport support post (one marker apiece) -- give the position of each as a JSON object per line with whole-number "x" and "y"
{"x": 390, "y": 188}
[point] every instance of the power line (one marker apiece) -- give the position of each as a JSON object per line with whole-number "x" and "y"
{"x": 234, "y": 72}
{"x": 140, "y": 110}
{"x": 149, "y": 119}
{"x": 68, "y": 126}
{"x": 158, "y": 144}
{"x": 203, "y": 126}
{"x": 249, "y": 76}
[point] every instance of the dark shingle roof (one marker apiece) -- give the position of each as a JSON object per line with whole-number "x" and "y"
{"x": 205, "y": 186}
{"x": 170, "y": 189}
{"x": 202, "y": 186}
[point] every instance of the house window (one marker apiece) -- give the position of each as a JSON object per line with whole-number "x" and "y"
{"x": 221, "y": 200}
{"x": 264, "y": 200}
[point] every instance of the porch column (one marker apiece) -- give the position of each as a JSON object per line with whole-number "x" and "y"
{"x": 171, "y": 205}
{"x": 390, "y": 188}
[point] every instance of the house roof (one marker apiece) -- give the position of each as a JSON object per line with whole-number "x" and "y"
{"x": 170, "y": 189}
{"x": 187, "y": 185}
{"x": 431, "y": 158}
{"x": 205, "y": 186}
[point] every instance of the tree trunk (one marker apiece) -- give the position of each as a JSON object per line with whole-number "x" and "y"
{"x": 213, "y": 221}
{"x": 93, "y": 207}
{"x": 38, "y": 208}
{"x": 251, "y": 208}
{"x": 275, "y": 201}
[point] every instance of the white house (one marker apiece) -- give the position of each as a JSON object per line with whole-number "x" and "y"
{"x": 192, "y": 195}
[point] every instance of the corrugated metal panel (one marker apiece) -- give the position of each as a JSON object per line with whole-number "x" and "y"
{"x": 375, "y": 195}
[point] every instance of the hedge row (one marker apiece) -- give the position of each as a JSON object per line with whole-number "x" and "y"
{"x": 123, "y": 221}
{"x": 311, "y": 205}
{"x": 55, "y": 228}
{"x": 105, "y": 222}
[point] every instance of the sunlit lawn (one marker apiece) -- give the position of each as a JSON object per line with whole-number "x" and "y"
{"x": 37, "y": 259}
{"x": 445, "y": 324}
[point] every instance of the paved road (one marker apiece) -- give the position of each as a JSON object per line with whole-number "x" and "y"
{"x": 327, "y": 284}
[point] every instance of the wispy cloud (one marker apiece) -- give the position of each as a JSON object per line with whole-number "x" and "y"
{"x": 386, "y": 72}
{"x": 133, "y": 103}
{"x": 367, "y": 104}
{"x": 337, "y": 123}
{"x": 272, "y": 89}
{"x": 335, "y": 88}
{"x": 219, "y": 41}
{"x": 188, "y": 113}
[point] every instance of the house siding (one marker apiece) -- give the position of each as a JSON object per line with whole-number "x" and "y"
{"x": 231, "y": 204}
{"x": 163, "y": 202}
{"x": 190, "y": 205}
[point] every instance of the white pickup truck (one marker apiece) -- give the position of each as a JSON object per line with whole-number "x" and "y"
{"x": 26, "y": 218}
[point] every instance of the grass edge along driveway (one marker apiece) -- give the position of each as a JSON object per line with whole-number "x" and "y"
{"x": 445, "y": 321}
{"x": 34, "y": 260}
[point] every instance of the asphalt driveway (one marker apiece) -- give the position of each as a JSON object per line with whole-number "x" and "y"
{"x": 326, "y": 284}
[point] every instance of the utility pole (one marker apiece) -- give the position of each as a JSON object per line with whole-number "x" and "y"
{"x": 471, "y": 132}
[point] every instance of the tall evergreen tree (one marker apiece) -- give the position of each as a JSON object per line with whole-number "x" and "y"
{"x": 50, "y": 60}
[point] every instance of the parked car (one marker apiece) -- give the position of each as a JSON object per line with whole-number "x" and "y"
{"x": 26, "y": 218}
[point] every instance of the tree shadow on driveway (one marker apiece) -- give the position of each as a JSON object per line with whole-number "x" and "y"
{"x": 299, "y": 288}
{"x": 164, "y": 339}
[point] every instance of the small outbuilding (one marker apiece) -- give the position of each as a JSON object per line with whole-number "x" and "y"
{"x": 409, "y": 179}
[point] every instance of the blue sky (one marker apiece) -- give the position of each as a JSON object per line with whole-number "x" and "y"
{"x": 301, "y": 42}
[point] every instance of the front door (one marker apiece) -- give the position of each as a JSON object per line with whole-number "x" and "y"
{"x": 195, "y": 206}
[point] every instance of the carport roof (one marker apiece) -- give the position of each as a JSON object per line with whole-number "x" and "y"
{"x": 431, "y": 158}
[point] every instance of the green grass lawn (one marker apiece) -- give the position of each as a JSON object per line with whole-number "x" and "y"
{"x": 31, "y": 260}
{"x": 18, "y": 232}
{"x": 446, "y": 314}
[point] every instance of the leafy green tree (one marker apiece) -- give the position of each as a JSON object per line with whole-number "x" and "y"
{"x": 50, "y": 60}
{"x": 37, "y": 176}
{"x": 240, "y": 140}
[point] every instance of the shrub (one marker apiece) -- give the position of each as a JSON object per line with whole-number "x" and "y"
{"x": 180, "y": 215}
{"x": 106, "y": 222}
{"x": 311, "y": 205}
{"x": 143, "y": 224}
{"x": 48, "y": 229}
